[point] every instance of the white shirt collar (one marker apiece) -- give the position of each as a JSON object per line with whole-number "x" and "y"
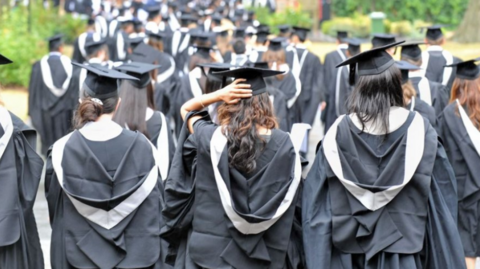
{"x": 343, "y": 46}
{"x": 416, "y": 74}
{"x": 55, "y": 53}
{"x": 102, "y": 130}
{"x": 434, "y": 48}
{"x": 300, "y": 46}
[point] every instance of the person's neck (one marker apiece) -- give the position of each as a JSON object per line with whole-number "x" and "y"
{"x": 263, "y": 131}
{"x": 105, "y": 117}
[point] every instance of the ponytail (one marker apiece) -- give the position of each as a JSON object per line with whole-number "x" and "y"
{"x": 90, "y": 109}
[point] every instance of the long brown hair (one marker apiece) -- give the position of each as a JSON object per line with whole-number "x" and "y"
{"x": 240, "y": 122}
{"x": 156, "y": 43}
{"x": 468, "y": 93}
{"x": 133, "y": 109}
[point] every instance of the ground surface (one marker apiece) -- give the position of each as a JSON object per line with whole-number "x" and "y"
{"x": 16, "y": 100}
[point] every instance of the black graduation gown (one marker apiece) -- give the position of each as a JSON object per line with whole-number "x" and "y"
{"x": 337, "y": 97}
{"x": 414, "y": 230}
{"x": 288, "y": 86}
{"x": 105, "y": 214}
{"x": 180, "y": 50}
{"x": 434, "y": 61}
{"x": 280, "y": 108}
{"x": 332, "y": 59}
{"x": 193, "y": 205}
{"x": 20, "y": 172}
{"x": 118, "y": 47}
{"x": 161, "y": 139}
{"x": 438, "y": 94}
{"x": 113, "y": 28}
{"x": 465, "y": 158}
{"x": 311, "y": 71}
{"x": 424, "y": 109}
{"x": 79, "y": 54}
{"x": 51, "y": 109}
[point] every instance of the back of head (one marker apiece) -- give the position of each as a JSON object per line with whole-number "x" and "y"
{"x": 90, "y": 109}
{"x": 468, "y": 94}
{"x": 240, "y": 124}
{"x": 239, "y": 46}
{"x": 408, "y": 92}
{"x": 374, "y": 95}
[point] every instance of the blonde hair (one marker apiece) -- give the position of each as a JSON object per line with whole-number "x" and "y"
{"x": 408, "y": 92}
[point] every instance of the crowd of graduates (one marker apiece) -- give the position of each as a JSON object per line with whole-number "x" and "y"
{"x": 176, "y": 136}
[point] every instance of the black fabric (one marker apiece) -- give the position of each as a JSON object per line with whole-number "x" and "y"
{"x": 332, "y": 59}
{"x": 425, "y": 110}
{"x": 51, "y": 115}
{"x": 435, "y": 67}
{"x": 193, "y": 206}
{"x": 465, "y": 159}
{"x": 79, "y": 243}
{"x": 20, "y": 172}
{"x": 415, "y": 230}
{"x": 287, "y": 86}
{"x": 438, "y": 93}
{"x": 280, "y": 108}
{"x": 154, "y": 126}
{"x": 332, "y": 112}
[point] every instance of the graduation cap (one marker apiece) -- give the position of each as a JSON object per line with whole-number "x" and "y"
{"x": 217, "y": 18}
{"x": 240, "y": 32}
{"x": 91, "y": 46}
{"x": 55, "y": 40}
{"x": 467, "y": 70}
{"x": 4, "y": 60}
{"x": 254, "y": 77}
{"x": 90, "y": 21}
{"x": 261, "y": 65}
{"x": 172, "y": 4}
{"x": 370, "y": 62}
{"x": 187, "y": 18}
{"x": 263, "y": 27}
{"x": 102, "y": 82}
{"x": 216, "y": 67}
{"x": 411, "y": 50}
{"x": 276, "y": 44}
{"x": 380, "y": 40}
{"x": 141, "y": 71}
{"x": 342, "y": 34}
{"x": 250, "y": 31}
{"x": 239, "y": 12}
{"x": 220, "y": 31}
{"x": 220, "y": 9}
{"x": 353, "y": 42}
{"x": 284, "y": 28}
{"x": 200, "y": 35}
{"x": 405, "y": 68}
{"x": 135, "y": 40}
{"x": 203, "y": 51}
{"x": 157, "y": 35}
{"x": 262, "y": 36}
{"x": 433, "y": 32}
{"x": 124, "y": 20}
{"x": 165, "y": 17}
{"x": 153, "y": 10}
{"x": 301, "y": 32}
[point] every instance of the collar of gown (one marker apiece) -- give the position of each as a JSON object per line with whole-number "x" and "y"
{"x": 397, "y": 117}
{"x": 101, "y": 130}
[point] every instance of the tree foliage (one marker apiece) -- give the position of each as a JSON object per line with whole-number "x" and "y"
{"x": 435, "y": 11}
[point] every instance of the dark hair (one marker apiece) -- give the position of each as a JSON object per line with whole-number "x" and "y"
{"x": 468, "y": 93}
{"x": 156, "y": 43}
{"x": 54, "y": 46}
{"x": 374, "y": 95}
{"x": 133, "y": 109}
{"x": 414, "y": 62}
{"x": 240, "y": 123}
{"x": 435, "y": 42}
{"x": 239, "y": 46}
{"x": 353, "y": 50}
{"x": 150, "y": 96}
{"x": 89, "y": 110}
{"x": 95, "y": 52}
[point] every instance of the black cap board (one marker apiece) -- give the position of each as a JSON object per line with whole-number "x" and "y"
{"x": 135, "y": 40}
{"x": 188, "y": 18}
{"x": 92, "y": 45}
{"x": 261, "y": 65}
{"x": 139, "y": 70}
{"x": 276, "y": 44}
{"x": 284, "y": 28}
{"x": 200, "y": 35}
{"x": 342, "y": 34}
{"x": 102, "y": 82}
{"x": 216, "y": 67}
{"x": 433, "y": 32}
{"x": 90, "y": 21}
{"x": 203, "y": 51}
{"x": 370, "y": 62}
{"x": 353, "y": 42}
{"x": 124, "y": 20}
{"x": 380, "y": 40}
{"x": 253, "y": 76}
{"x": 240, "y": 32}
{"x": 4, "y": 60}
{"x": 262, "y": 36}
{"x": 405, "y": 68}
{"x": 411, "y": 50}
{"x": 54, "y": 40}
{"x": 217, "y": 18}
{"x": 165, "y": 17}
{"x": 158, "y": 35}
{"x": 301, "y": 32}
{"x": 467, "y": 70}
{"x": 153, "y": 10}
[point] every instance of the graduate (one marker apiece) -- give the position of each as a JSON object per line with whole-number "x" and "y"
{"x": 411, "y": 101}
{"x": 137, "y": 111}
{"x": 311, "y": 70}
{"x": 154, "y": 18}
{"x": 79, "y": 52}
{"x": 435, "y": 58}
{"x": 50, "y": 101}
{"x": 20, "y": 173}
{"x": 288, "y": 82}
{"x": 260, "y": 45}
{"x": 105, "y": 211}
{"x": 329, "y": 71}
{"x": 459, "y": 127}
{"x": 342, "y": 88}
{"x": 381, "y": 192}
{"x": 181, "y": 42}
{"x": 119, "y": 50}
{"x": 430, "y": 92}
{"x": 233, "y": 188}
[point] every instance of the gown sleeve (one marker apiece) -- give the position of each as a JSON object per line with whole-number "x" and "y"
{"x": 53, "y": 190}
{"x": 316, "y": 216}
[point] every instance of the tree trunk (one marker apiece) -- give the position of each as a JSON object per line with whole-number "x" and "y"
{"x": 468, "y": 32}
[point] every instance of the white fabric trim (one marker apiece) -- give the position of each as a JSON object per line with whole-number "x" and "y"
{"x": 302, "y": 59}
{"x": 424, "y": 90}
{"x": 412, "y": 104}
{"x": 340, "y": 52}
{"x": 342, "y": 46}
{"x": 296, "y": 76}
{"x": 206, "y": 25}
{"x": 112, "y": 28}
{"x": 447, "y": 72}
{"x": 149, "y": 114}
{"x": 184, "y": 45}
{"x": 194, "y": 86}
{"x": 101, "y": 130}
{"x": 47, "y": 75}
{"x": 217, "y": 145}
{"x": 105, "y": 219}
{"x": 175, "y": 42}
{"x": 7, "y": 125}
{"x": 337, "y": 91}
{"x": 472, "y": 131}
{"x": 168, "y": 73}
{"x": 413, "y": 155}
{"x": 163, "y": 149}
{"x": 397, "y": 117}
{"x": 101, "y": 26}
{"x": 121, "y": 53}
{"x": 82, "y": 38}
{"x": 81, "y": 79}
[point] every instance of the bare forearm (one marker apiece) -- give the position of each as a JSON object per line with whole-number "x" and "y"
{"x": 198, "y": 103}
